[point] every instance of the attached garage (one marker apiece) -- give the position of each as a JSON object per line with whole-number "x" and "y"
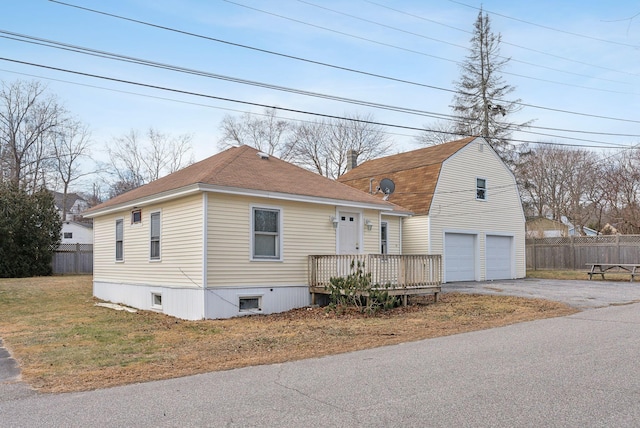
{"x": 459, "y": 257}
{"x": 499, "y": 257}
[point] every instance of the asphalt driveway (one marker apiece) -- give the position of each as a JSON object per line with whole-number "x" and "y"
{"x": 579, "y": 294}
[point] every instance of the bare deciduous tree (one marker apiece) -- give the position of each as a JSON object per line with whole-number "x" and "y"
{"x": 621, "y": 190}
{"x": 71, "y": 144}
{"x": 266, "y": 132}
{"x": 561, "y": 183}
{"x": 439, "y": 132}
{"x": 29, "y": 118}
{"x": 136, "y": 160}
{"x": 322, "y": 146}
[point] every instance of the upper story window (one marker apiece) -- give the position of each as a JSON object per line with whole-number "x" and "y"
{"x": 136, "y": 216}
{"x": 266, "y": 234}
{"x": 481, "y": 189}
{"x": 119, "y": 240}
{"x": 154, "y": 253}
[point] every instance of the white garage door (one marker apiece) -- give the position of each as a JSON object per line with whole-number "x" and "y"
{"x": 459, "y": 257}
{"x": 499, "y": 256}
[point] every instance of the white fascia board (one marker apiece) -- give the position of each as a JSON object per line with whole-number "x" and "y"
{"x": 198, "y": 187}
{"x": 397, "y": 213}
{"x": 292, "y": 197}
{"x": 147, "y": 200}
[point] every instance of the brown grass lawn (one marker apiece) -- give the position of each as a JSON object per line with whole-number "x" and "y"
{"x": 64, "y": 342}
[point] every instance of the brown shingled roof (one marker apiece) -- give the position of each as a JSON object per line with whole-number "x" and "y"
{"x": 242, "y": 168}
{"x": 414, "y": 173}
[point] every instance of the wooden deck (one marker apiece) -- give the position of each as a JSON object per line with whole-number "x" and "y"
{"x": 399, "y": 275}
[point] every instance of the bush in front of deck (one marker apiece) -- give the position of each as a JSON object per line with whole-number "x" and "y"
{"x": 356, "y": 290}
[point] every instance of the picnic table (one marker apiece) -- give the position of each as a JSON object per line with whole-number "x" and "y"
{"x": 601, "y": 268}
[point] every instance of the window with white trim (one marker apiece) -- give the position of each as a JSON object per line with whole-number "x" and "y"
{"x": 155, "y": 236}
{"x": 68, "y": 235}
{"x": 136, "y": 216}
{"x": 119, "y": 240}
{"x": 265, "y": 229}
{"x": 481, "y": 189}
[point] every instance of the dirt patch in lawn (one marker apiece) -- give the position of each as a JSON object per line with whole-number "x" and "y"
{"x": 64, "y": 342}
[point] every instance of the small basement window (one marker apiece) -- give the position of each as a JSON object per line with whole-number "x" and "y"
{"x": 250, "y": 303}
{"x": 156, "y": 300}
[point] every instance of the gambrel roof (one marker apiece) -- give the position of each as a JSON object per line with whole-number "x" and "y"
{"x": 242, "y": 169}
{"x": 414, "y": 173}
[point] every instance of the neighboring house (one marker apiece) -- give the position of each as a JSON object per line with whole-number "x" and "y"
{"x": 466, "y": 207}
{"x": 587, "y": 231}
{"x": 73, "y": 208}
{"x": 542, "y": 227}
{"x": 75, "y": 229}
{"x": 231, "y": 235}
{"x": 74, "y": 232}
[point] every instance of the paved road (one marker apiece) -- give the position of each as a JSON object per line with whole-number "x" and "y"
{"x": 575, "y": 371}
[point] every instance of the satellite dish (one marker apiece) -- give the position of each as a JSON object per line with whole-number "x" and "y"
{"x": 387, "y": 186}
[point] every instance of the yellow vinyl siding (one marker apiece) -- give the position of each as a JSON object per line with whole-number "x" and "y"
{"x": 455, "y": 208}
{"x": 307, "y": 230}
{"x": 181, "y": 256}
{"x": 415, "y": 235}
{"x": 371, "y": 238}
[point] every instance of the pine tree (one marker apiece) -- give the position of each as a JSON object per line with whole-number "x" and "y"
{"x": 29, "y": 232}
{"x": 479, "y": 103}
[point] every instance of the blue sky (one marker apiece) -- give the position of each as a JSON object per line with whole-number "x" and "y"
{"x": 570, "y": 61}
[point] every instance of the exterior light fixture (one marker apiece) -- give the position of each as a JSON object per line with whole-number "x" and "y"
{"x": 368, "y": 224}
{"x": 334, "y": 221}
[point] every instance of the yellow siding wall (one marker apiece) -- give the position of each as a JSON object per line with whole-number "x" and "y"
{"x": 455, "y": 208}
{"x": 307, "y": 230}
{"x": 394, "y": 234}
{"x": 180, "y": 246}
{"x": 415, "y": 235}
{"x": 371, "y": 238}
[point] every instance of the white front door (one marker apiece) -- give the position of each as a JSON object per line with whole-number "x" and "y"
{"x": 348, "y": 233}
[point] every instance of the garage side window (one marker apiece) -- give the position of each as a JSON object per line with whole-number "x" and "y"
{"x": 266, "y": 234}
{"x": 119, "y": 240}
{"x": 481, "y": 189}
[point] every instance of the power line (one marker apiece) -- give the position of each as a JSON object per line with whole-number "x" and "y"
{"x": 326, "y": 64}
{"x": 407, "y": 49}
{"x": 454, "y": 44}
{"x": 560, "y": 57}
{"x": 139, "y": 61}
{"x": 546, "y": 27}
{"x": 262, "y": 105}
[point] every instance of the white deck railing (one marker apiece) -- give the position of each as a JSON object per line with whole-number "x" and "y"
{"x": 387, "y": 270}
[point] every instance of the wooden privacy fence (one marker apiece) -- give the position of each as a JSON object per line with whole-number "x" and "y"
{"x": 575, "y": 252}
{"x": 73, "y": 259}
